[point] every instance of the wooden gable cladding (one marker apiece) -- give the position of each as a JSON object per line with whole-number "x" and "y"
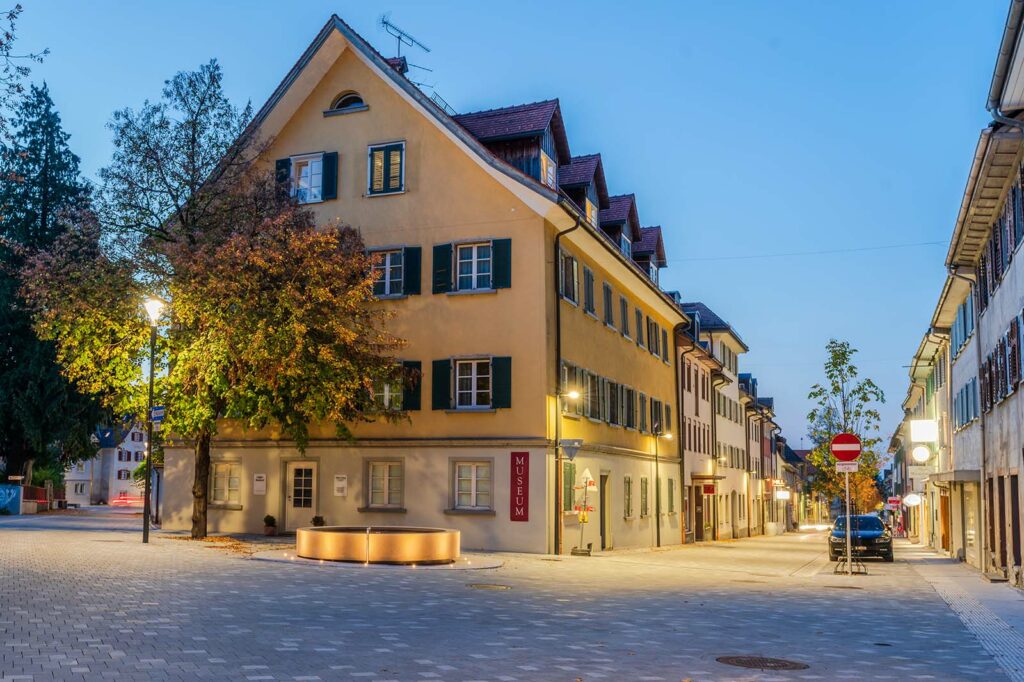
{"x": 996, "y": 168}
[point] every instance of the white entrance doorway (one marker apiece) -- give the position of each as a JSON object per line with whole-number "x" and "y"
{"x": 300, "y": 495}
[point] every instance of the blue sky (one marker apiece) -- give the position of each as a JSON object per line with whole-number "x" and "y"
{"x": 745, "y": 128}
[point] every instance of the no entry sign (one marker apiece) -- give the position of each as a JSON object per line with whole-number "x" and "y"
{"x": 845, "y": 447}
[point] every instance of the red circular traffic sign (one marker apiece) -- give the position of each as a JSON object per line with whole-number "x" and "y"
{"x": 845, "y": 447}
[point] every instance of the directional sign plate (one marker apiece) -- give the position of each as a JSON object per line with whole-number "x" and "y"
{"x": 846, "y": 467}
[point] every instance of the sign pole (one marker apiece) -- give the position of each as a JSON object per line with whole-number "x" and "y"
{"x": 849, "y": 553}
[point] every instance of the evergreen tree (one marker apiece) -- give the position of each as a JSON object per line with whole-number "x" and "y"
{"x": 42, "y": 417}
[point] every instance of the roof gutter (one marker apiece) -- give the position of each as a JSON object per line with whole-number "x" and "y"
{"x": 1007, "y": 47}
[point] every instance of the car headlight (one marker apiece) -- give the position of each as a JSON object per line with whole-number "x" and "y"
{"x": 835, "y": 539}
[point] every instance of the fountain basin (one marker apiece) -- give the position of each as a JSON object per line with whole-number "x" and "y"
{"x": 378, "y": 544}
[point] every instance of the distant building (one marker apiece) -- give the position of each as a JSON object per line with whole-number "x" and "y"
{"x": 107, "y": 477}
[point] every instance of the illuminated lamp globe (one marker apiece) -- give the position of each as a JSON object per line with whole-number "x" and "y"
{"x": 911, "y": 499}
{"x": 573, "y": 395}
{"x": 921, "y": 454}
{"x": 154, "y": 306}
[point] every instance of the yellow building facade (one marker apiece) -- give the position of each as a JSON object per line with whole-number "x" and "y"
{"x": 502, "y": 328}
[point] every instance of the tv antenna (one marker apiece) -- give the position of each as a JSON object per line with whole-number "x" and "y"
{"x": 401, "y": 37}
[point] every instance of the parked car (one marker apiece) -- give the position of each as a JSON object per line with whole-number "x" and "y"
{"x": 868, "y": 537}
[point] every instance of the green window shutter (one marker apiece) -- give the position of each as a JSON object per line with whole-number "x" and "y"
{"x": 394, "y": 170}
{"x": 501, "y": 378}
{"x": 329, "y": 179}
{"x": 283, "y": 170}
{"x": 568, "y": 485}
{"x": 411, "y": 257}
{"x": 441, "y": 380}
{"x": 501, "y": 252}
{"x": 413, "y": 384}
{"x": 442, "y": 268}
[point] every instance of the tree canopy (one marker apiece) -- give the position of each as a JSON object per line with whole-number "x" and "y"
{"x": 845, "y": 403}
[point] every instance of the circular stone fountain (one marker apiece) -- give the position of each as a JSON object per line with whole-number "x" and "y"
{"x": 378, "y": 545}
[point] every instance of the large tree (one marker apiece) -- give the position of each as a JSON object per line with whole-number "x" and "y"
{"x": 271, "y": 317}
{"x": 14, "y": 66}
{"x": 42, "y": 417}
{"x": 845, "y": 403}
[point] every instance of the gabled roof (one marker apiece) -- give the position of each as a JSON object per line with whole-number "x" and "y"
{"x": 710, "y": 321}
{"x": 583, "y": 170}
{"x": 521, "y": 120}
{"x": 651, "y": 244}
{"x": 283, "y": 95}
{"x": 767, "y": 402}
{"x": 622, "y": 209}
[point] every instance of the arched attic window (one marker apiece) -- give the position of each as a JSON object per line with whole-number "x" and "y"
{"x": 345, "y": 103}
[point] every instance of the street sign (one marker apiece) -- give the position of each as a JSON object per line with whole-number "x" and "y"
{"x": 708, "y": 488}
{"x": 570, "y": 446}
{"x": 896, "y": 500}
{"x": 157, "y": 414}
{"x": 845, "y": 447}
{"x": 846, "y": 467}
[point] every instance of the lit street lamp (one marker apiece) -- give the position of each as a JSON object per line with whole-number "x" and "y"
{"x": 154, "y": 307}
{"x": 658, "y": 435}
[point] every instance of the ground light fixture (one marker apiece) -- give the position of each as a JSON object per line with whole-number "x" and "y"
{"x": 921, "y": 454}
{"x": 154, "y": 308}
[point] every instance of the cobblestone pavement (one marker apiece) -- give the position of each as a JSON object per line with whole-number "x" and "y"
{"x": 82, "y": 599}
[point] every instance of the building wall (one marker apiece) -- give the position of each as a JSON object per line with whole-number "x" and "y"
{"x": 447, "y": 198}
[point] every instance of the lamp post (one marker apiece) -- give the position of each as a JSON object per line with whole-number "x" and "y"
{"x": 571, "y": 395}
{"x": 154, "y": 307}
{"x": 658, "y": 435}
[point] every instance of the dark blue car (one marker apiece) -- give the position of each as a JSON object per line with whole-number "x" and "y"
{"x": 868, "y": 537}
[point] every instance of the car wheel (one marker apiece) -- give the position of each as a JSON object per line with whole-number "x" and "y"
{"x": 888, "y": 558}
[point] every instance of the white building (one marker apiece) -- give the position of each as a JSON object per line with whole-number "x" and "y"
{"x": 107, "y": 477}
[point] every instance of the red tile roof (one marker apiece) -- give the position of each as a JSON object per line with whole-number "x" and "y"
{"x": 520, "y": 120}
{"x": 582, "y": 170}
{"x": 622, "y": 209}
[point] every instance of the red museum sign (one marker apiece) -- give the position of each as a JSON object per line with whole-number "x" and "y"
{"x": 520, "y": 488}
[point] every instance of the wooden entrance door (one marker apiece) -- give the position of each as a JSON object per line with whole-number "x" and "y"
{"x": 300, "y": 495}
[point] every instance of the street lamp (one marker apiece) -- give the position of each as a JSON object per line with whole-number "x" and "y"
{"x": 921, "y": 454}
{"x": 154, "y": 307}
{"x": 658, "y": 435}
{"x": 571, "y": 395}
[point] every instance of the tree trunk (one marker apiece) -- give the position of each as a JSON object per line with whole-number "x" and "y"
{"x": 201, "y": 486}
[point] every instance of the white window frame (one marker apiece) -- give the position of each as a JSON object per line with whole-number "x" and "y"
{"x": 388, "y": 395}
{"x": 625, "y": 243}
{"x": 386, "y": 267}
{"x": 231, "y": 474}
{"x": 475, "y": 275}
{"x": 127, "y": 474}
{"x": 385, "y": 466}
{"x": 295, "y": 179}
{"x": 474, "y": 392}
{"x": 474, "y": 492}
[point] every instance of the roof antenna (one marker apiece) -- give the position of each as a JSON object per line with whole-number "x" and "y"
{"x": 401, "y": 37}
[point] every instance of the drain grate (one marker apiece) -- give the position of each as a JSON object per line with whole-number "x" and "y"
{"x": 488, "y": 586}
{"x": 762, "y": 663}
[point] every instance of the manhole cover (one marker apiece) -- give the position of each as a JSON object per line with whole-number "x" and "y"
{"x": 761, "y": 663}
{"x": 488, "y": 586}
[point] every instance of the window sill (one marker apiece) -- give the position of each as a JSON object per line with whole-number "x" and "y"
{"x": 472, "y": 410}
{"x": 569, "y": 415}
{"x": 571, "y": 302}
{"x": 592, "y": 314}
{"x": 611, "y": 326}
{"x": 226, "y": 506}
{"x": 470, "y": 512}
{"x": 341, "y": 112}
{"x": 311, "y": 201}
{"x": 628, "y": 518}
{"x": 373, "y": 195}
{"x": 469, "y": 292}
{"x": 390, "y": 297}
{"x": 382, "y": 510}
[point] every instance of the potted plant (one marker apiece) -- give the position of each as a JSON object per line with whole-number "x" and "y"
{"x": 269, "y": 525}
{"x": 318, "y": 521}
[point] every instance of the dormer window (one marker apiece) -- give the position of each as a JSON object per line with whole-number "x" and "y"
{"x": 346, "y": 103}
{"x": 625, "y": 246}
{"x": 548, "y": 170}
{"x": 652, "y": 271}
{"x": 593, "y": 213}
